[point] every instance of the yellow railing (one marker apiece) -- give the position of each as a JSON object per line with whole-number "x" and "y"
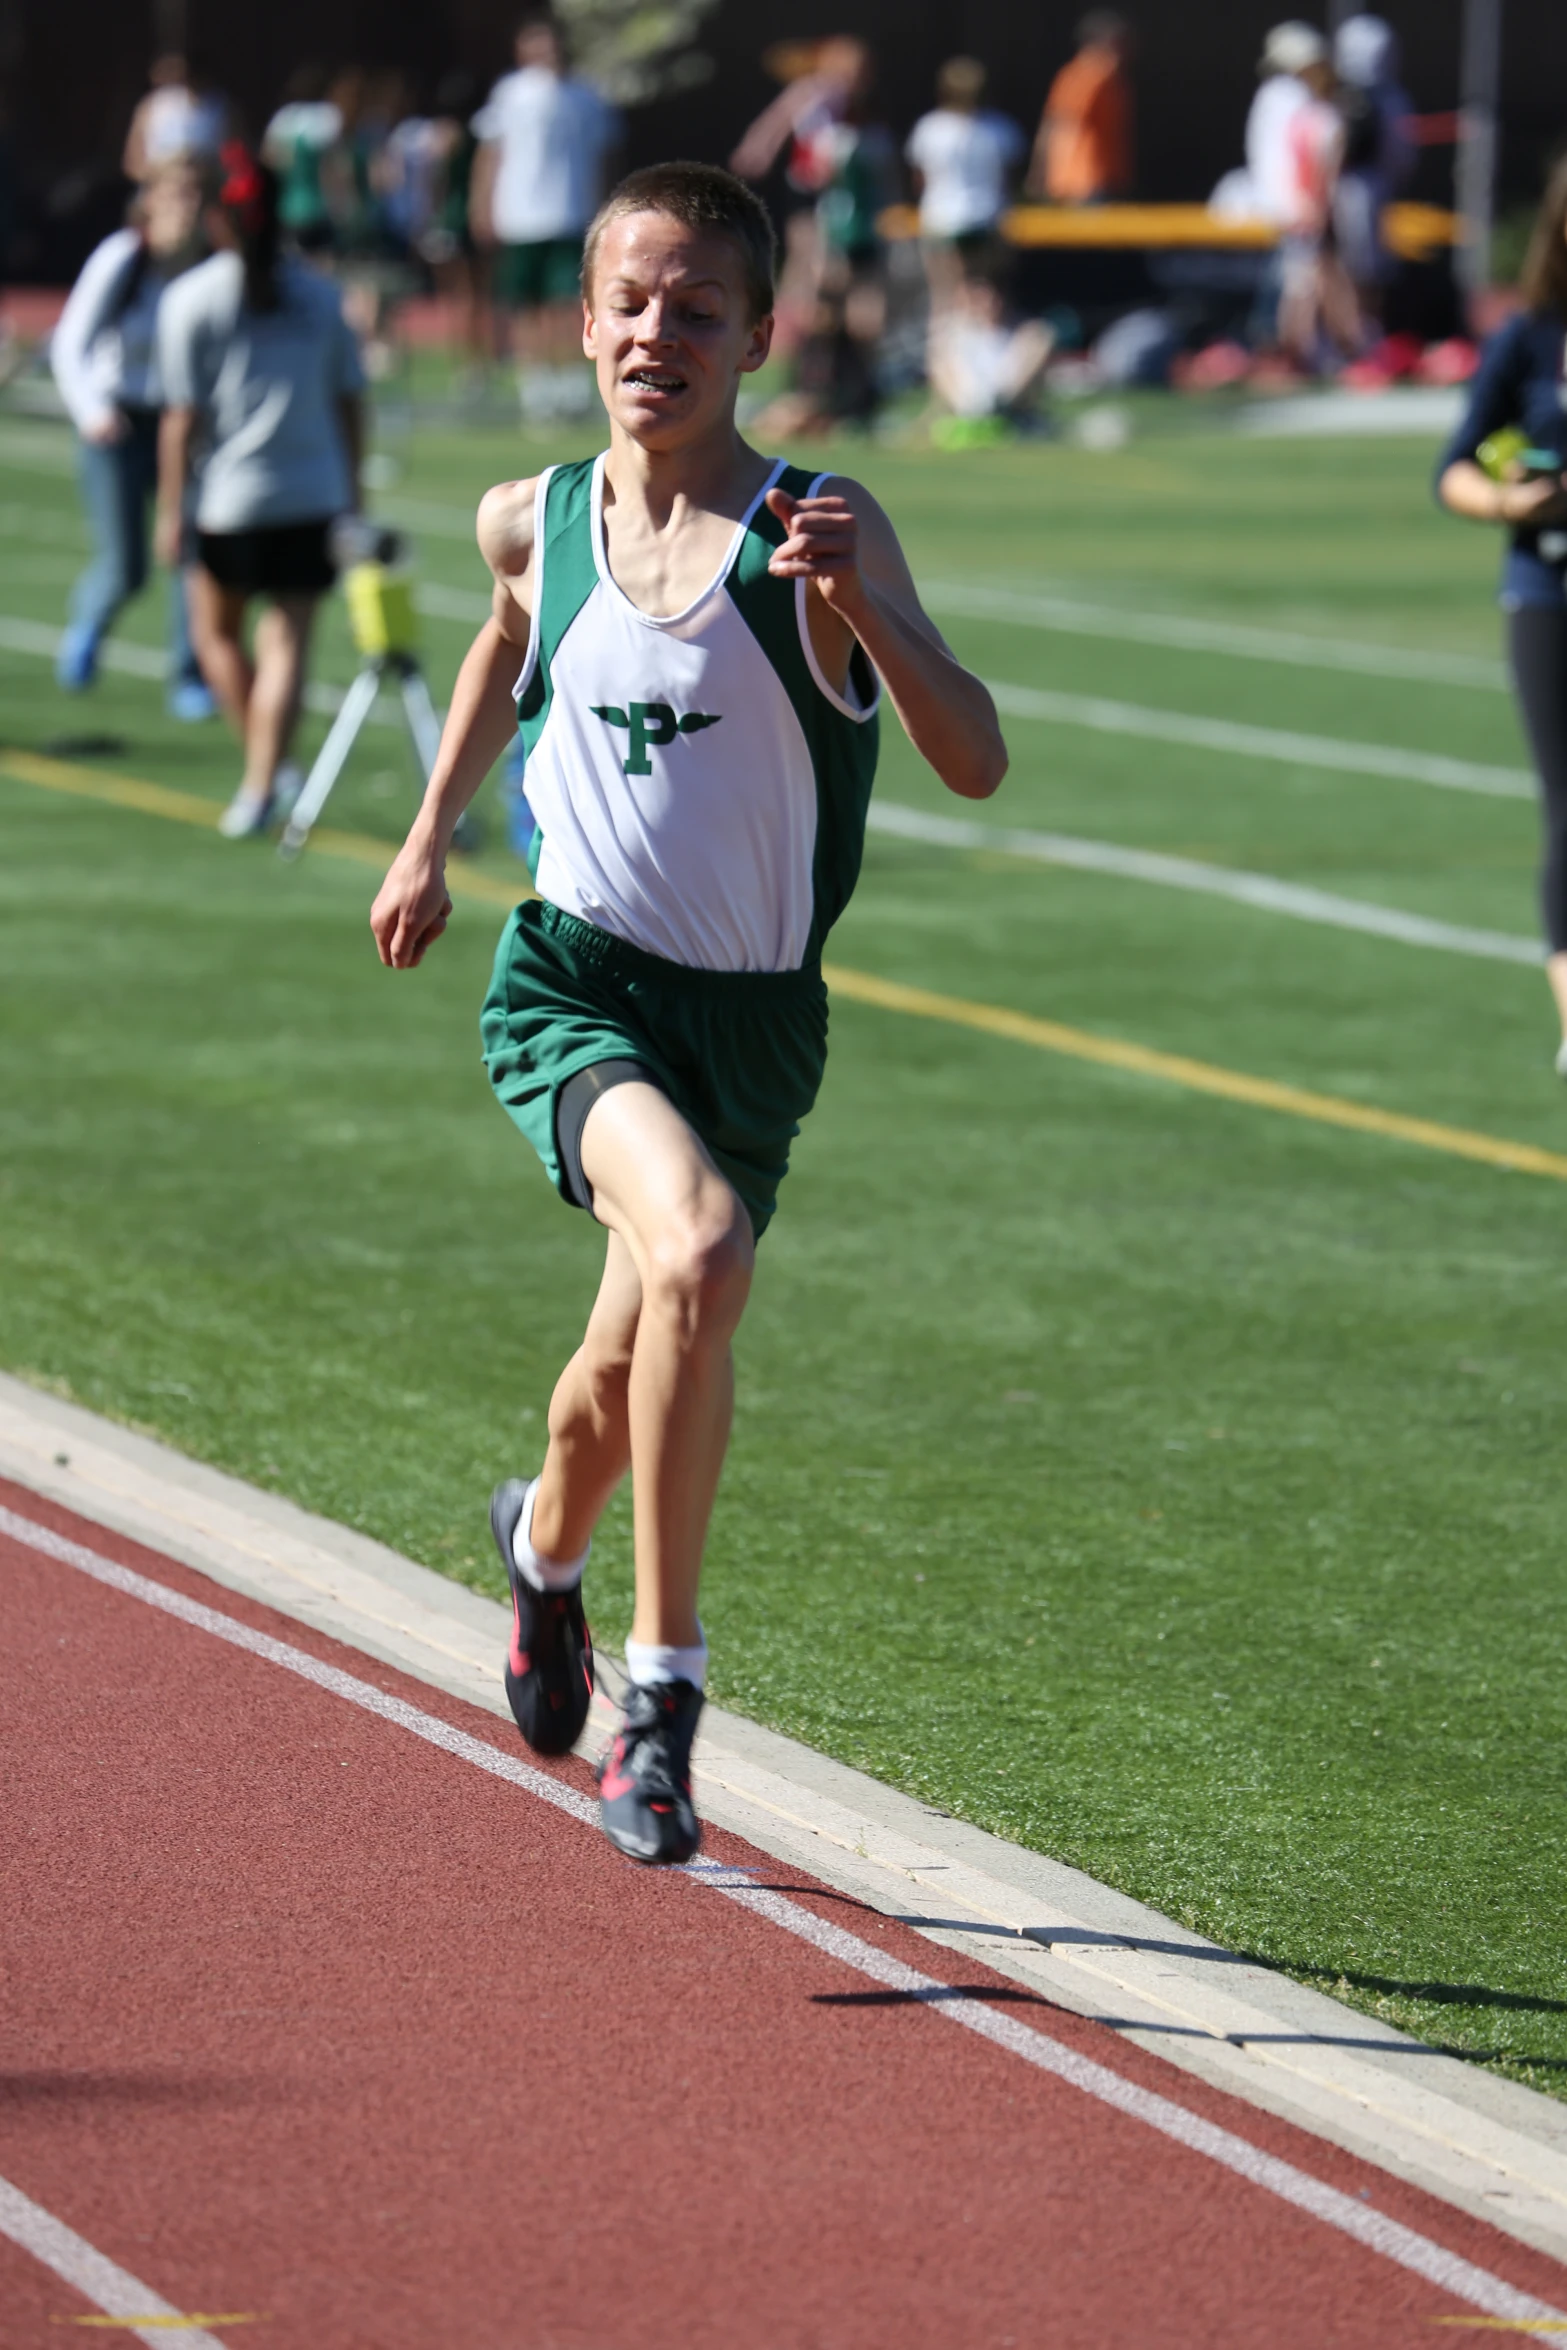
{"x": 1415, "y": 232}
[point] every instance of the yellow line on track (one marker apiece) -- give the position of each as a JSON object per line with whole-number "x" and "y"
{"x": 186, "y": 807}
{"x": 888, "y": 995}
{"x": 1260, "y": 1093}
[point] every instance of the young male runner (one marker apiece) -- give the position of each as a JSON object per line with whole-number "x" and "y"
{"x": 700, "y": 631}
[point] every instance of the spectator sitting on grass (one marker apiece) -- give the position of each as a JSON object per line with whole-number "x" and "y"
{"x": 835, "y": 380}
{"x": 984, "y": 372}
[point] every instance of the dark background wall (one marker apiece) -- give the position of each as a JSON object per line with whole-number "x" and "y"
{"x": 70, "y": 71}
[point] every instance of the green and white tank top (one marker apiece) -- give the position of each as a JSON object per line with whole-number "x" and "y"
{"x": 699, "y": 788}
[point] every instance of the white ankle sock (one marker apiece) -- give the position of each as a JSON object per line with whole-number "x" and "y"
{"x": 543, "y": 1574}
{"x": 648, "y": 1662}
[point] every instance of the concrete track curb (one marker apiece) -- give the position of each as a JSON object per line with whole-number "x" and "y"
{"x": 1483, "y": 2144}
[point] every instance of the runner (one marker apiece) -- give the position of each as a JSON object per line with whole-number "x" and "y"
{"x": 699, "y": 632}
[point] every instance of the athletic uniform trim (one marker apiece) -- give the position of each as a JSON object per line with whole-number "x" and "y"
{"x": 731, "y": 552}
{"x": 530, "y": 659}
{"x": 858, "y": 711}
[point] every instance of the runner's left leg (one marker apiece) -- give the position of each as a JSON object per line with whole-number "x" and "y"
{"x": 590, "y": 1419}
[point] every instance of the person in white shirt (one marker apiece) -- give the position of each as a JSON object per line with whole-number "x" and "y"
{"x": 1290, "y": 51}
{"x": 262, "y": 376}
{"x": 964, "y": 158}
{"x": 181, "y": 115}
{"x": 545, "y": 139}
{"x": 104, "y": 359}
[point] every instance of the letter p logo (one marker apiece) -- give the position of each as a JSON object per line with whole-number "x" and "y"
{"x": 652, "y": 723}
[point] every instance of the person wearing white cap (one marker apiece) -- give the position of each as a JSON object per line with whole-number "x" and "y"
{"x": 1289, "y": 51}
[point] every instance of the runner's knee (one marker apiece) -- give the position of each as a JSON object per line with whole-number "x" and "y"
{"x": 700, "y": 1267}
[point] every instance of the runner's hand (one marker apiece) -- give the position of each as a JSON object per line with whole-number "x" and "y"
{"x": 823, "y": 545}
{"x": 412, "y": 907}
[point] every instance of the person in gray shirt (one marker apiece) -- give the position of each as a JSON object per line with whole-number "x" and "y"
{"x": 262, "y": 388}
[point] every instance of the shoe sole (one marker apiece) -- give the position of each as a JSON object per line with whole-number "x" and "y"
{"x": 656, "y": 1857}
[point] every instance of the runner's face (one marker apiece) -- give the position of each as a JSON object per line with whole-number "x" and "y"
{"x": 667, "y": 323}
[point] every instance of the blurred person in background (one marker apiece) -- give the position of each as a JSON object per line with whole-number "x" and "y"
{"x": 845, "y": 162}
{"x": 1319, "y": 316}
{"x": 298, "y": 139}
{"x": 104, "y": 357}
{"x": 182, "y": 114}
{"x": 374, "y": 264}
{"x": 964, "y": 157}
{"x": 260, "y": 372}
{"x": 825, "y": 84}
{"x": 544, "y": 143}
{"x": 1288, "y": 51}
{"x": 448, "y": 246}
{"x": 1083, "y": 151}
{"x": 1378, "y": 155}
{"x": 1507, "y": 465}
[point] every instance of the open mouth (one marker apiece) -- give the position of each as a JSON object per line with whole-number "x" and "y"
{"x": 655, "y": 379}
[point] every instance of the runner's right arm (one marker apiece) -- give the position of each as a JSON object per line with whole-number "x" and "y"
{"x": 413, "y": 906}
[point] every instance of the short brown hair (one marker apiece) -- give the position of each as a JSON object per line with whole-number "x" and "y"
{"x": 701, "y": 197}
{"x": 1543, "y": 279}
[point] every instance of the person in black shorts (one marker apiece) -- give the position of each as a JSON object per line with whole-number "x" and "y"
{"x": 261, "y": 374}
{"x": 1518, "y": 392}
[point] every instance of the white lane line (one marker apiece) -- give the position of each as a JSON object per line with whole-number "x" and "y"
{"x": 450, "y": 603}
{"x": 44, "y": 450}
{"x": 1176, "y": 726}
{"x": 51, "y": 452}
{"x": 1295, "y": 648}
{"x": 32, "y": 636}
{"x": 1260, "y": 890}
{"x": 114, "y": 2290}
{"x": 1351, "y": 2217}
{"x": 1261, "y": 742}
{"x": 133, "y": 660}
{"x": 1372, "y": 2228}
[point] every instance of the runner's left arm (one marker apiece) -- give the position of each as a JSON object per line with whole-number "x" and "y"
{"x": 844, "y": 544}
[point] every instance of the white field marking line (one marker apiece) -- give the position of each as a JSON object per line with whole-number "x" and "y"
{"x": 41, "y": 449}
{"x": 50, "y": 451}
{"x": 1259, "y": 890}
{"x": 1296, "y": 648}
{"x": 1070, "y": 615}
{"x": 1169, "y": 726}
{"x": 1261, "y": 742}
{"x": 55, "y": 2246}
{"x": 1176, "y": 726}
{"x": 1446, "y": 2270}
{"x": 148, "y": 661}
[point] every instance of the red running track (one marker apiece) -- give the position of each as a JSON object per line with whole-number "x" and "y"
{"x": 310, "y": 2021}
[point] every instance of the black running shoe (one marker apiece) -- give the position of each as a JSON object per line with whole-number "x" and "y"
{"x": 549, "y": 1668}
{"x": 645, "y": 1777}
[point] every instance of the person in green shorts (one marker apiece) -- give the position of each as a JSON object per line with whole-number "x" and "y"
{"x": 545, "y": 135}
{"x": 694, "y": 640}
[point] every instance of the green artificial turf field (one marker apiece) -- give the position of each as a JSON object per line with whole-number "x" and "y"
{"x": 1165, "y": 1482}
